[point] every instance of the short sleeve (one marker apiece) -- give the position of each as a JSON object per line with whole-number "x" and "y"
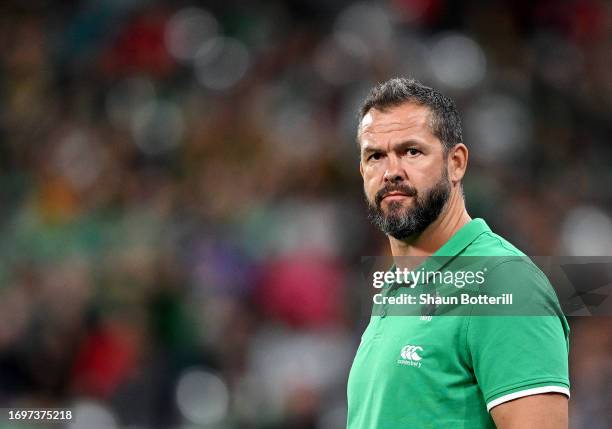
{"x": 520, "y": 355}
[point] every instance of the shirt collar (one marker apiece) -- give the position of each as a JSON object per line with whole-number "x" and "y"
{"x": 457, "y": 243}
{"x": 449, "y": 250}
{"x": 463, "y": 238}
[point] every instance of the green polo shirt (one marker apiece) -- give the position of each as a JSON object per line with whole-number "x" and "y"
{"x": 449, "y": 371}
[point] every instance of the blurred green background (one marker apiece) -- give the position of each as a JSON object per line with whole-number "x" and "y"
{"x": 182, "y": 216}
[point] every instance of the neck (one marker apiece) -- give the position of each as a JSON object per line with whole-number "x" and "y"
{"x": 452, "y": 218}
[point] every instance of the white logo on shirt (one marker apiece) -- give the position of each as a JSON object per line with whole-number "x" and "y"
{"x": 410, "y": 355}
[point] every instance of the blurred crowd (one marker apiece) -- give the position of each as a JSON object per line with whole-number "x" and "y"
{"x": 182, "y": 216}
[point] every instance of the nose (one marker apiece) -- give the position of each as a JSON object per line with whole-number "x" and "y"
{"x": 394, "y": 173}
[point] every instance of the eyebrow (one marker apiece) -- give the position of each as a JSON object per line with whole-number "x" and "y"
{"x": 397, "y": 146}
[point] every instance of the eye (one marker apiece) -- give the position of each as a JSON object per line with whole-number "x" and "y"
{"x": 413, "y": 152}
{"x": 375, "y": 156}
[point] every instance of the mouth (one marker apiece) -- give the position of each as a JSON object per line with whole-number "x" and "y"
{"x": 395, "y": 196}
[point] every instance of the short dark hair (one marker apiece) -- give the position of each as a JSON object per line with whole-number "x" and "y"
{"x": 445, "y": 120}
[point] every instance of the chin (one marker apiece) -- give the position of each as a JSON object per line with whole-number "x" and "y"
{"x": 394, "y": 206}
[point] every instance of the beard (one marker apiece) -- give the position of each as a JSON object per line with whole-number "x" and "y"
{"x": 402, "y": 223}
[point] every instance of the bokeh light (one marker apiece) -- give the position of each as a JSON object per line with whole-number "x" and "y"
{"x": 368, "y": 23}
{"x": 498, "y": 127}
{"x": 587, "y": 231}
{"x": 457, "y": 61}
{"x": 202, "y": 397}
{"x": 221, "y": 62}
{"x": 157, "y": 127}
{"x": 188, "y": 30}
{"x": 127, "y": 97}
{"x": 80, "y": 158}
{"x": 92, "y": 415}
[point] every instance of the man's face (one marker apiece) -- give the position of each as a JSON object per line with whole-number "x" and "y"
{"x": 404, "y": 169}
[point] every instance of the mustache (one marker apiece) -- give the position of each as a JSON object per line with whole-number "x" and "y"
{"x": 404, "y": 189}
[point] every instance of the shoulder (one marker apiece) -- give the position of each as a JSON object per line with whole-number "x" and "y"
{"x": 508, "y": 268}
{"x": 501, "y": 256}
{"x": 491, "y": 244}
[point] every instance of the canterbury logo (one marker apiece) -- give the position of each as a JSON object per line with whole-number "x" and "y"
{"x": 410, "y": 352}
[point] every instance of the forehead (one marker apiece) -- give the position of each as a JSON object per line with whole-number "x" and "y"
{"x": 404, "y": 120}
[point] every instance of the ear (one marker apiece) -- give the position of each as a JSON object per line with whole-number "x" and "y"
{"x": 457, "y": 162}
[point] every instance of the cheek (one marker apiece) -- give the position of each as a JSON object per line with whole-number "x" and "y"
{"x": 428, "y": 175}
{"x": 374, "y": 172}
{"x": 371, "y": 183}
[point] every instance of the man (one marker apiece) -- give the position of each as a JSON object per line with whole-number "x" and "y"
{"x": 468, "y": 371}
